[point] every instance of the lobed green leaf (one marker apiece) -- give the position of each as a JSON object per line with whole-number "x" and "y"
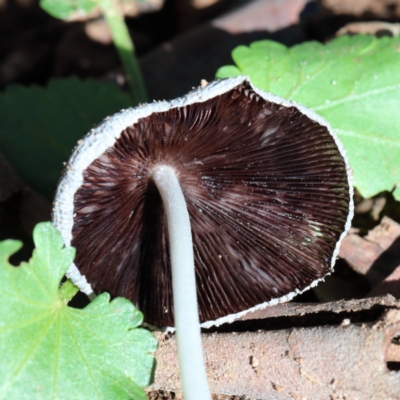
{"x": 50, "y": 350}
{"x": 40, "y": 126}
{"x": 353, "y": 82}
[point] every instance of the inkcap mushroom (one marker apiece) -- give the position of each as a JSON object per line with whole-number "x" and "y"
{"x": 229, "y": 192}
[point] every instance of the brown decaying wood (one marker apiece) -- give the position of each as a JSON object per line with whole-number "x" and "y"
{"x": 327, "y": 362}
{"x": 300, "y": 309}
{"x": 377, "y": 256}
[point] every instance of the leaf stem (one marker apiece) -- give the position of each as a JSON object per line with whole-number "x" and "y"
{"x": 125, "y": 48}
{"x": 186, "y": 314}
{"x": 67, "y": 291}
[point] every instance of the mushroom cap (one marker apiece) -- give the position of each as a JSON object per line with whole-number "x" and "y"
{"x": 267, "y": 186}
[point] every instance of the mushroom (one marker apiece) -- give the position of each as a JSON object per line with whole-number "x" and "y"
{"x": 254, "y": 188}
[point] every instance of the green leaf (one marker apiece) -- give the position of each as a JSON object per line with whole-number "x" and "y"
{"x": 39, "y": 126}
{"x": 353, "y": 82}
{"x": 65, "y": 8}
{"x": 49, "y": 350}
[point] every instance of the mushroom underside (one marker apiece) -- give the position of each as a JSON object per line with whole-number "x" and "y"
{"x": 267, "y": 193}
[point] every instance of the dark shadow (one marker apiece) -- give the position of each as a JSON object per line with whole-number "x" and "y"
{"x": 364, "y": 220}
{"x": 301, "y": 321}
{"x": 12, "y": 227}
{"x": 80, "y": 300}
{"x": 175, "y": 67}
{"x": 383, "y": 266}
{"x": 393, "y": 366}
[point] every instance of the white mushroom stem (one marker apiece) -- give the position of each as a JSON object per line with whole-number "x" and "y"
{"x": 186, "y": 315}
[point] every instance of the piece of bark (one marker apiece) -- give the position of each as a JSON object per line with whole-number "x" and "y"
{"x": 376, "y": 255}
{"x": 343, "y": 306}
{"x": 326, "y": 362}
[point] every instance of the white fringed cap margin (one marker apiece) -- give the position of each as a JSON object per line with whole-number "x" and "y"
{"x": 104, "y": 136}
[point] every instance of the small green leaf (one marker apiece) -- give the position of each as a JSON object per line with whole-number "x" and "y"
{"x": 39, "y": 126}
{"x": 353, "y": 82}
{"x": 65, "y": 8}
{"x": 49, "y": 350}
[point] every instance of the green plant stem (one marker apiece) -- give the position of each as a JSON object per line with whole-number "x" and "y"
{"x": 67, "y": 291}
{"x": 125, "y": 48}
{"x": 186, "y": 314}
